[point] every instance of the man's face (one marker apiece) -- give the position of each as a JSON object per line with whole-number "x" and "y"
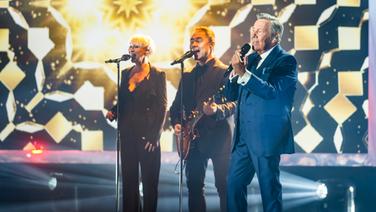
{"x": 261, "y": 36}
{"x": 201, "y": 43}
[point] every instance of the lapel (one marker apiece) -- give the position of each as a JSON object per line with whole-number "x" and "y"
{"x": 251, "y": 60}
{"x": 264, "y": 70}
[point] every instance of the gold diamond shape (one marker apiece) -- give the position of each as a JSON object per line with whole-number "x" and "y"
{"x": 340, "y": 108}
{"x": 349, "y": 3}
{"x": 92, "y": 141}
{"x": 349, "y": 38}
{"x": 306, "y": 37}
{"x": 350, "y": 83}
{"x": 58, "y": 127}
{"x": 308, "y": 138}
{"x": 11, "y": 76}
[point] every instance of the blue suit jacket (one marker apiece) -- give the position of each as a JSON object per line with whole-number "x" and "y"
{"x": 265, "y": 104}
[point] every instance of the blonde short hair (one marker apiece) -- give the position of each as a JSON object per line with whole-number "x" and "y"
{"x": 144, "y": 41}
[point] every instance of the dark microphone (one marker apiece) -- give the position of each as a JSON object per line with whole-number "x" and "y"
{"x": 186, "y": 55}
{"x": 243, "y": 51}
{"x": 125, "y": 57}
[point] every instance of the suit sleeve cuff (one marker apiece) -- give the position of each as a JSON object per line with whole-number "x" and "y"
{"x": 242, "y": 80}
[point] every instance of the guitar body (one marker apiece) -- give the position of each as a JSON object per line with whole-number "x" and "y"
{"x": 183, "y": 142}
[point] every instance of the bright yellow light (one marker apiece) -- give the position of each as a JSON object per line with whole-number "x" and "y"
{"x": 101, "y": 28}
{"x": 127, "y": 6}
{"x": 37, "y": 151}
{"x": 165, "y": 36}
{"x": 97, "y": 41}
{"x": 78, "y": 10}
{"x": 176, "y": 8}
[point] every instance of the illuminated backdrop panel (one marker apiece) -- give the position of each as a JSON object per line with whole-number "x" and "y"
{"x": 55, "y": 88}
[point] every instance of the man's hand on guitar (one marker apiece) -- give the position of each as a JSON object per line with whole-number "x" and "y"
{"x": 177, "y": 129}
{"x": 110, "y": 115}
{"x": 209, "y": 108}
{"x": 150, "y": 147}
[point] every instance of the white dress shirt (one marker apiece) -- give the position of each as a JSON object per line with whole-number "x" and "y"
{"x": 242, "y": 80}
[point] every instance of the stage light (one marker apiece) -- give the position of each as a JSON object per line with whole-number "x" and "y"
{"x": 322, "y": 191}
{"x": 52, "y": 183}
{"x": 351, "y": 189}
{"x": 37, "y": 151}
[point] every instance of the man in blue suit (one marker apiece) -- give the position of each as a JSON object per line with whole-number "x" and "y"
{"x": 264, "y": 86}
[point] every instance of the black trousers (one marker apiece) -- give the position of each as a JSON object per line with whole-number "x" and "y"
{"x": 133, "y": 156}
{"x": 196, "y": 165}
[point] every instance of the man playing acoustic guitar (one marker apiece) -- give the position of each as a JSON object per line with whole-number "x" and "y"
{"x": 213, "y": 131}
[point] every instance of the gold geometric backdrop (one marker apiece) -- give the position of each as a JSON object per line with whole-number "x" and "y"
{"x": 55, "y": 88}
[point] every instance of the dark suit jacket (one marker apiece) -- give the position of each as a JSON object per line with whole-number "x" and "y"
{"x": 265, "y": 103}
{"x": 142, "y": 111}
{"x": 198, "y": 85}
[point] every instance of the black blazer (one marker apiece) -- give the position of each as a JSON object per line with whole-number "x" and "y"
{"x": 142, "y": 111}
{"x": 214, "y": 135}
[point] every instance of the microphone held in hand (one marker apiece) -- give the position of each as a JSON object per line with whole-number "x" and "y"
{"x": 243, "y": 51}
{"x": 125, "y": 57}
{"x": 186, "y": 55}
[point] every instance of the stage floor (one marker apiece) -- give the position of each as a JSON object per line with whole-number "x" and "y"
{"x": 109, "y": 157}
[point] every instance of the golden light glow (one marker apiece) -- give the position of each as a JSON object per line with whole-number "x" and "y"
{"x": 127, "y": 7}
{"x": 96, "y": 42}
{"x": 101, "y": 29}
{"x": 127, "y": 14}
{"x": 165, "y": 39}
{"x": 176, "y": 8}
{"x": 80, "y": 11}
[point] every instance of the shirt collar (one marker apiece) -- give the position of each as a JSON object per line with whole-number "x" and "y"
{"x": 265, "y": 54}
{"x": 208, "y": 63}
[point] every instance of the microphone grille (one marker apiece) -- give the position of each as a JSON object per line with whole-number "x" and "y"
{"x": 245, "y": 48}
{"x": 125, "y": 57}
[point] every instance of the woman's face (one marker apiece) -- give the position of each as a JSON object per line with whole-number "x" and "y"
{"x": 137, "y": 52}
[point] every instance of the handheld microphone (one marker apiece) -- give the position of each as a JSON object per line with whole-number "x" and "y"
{"x": 243, "y": 51}
{"x": 125, "y": 57}
{"x": 186, "y": 55}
